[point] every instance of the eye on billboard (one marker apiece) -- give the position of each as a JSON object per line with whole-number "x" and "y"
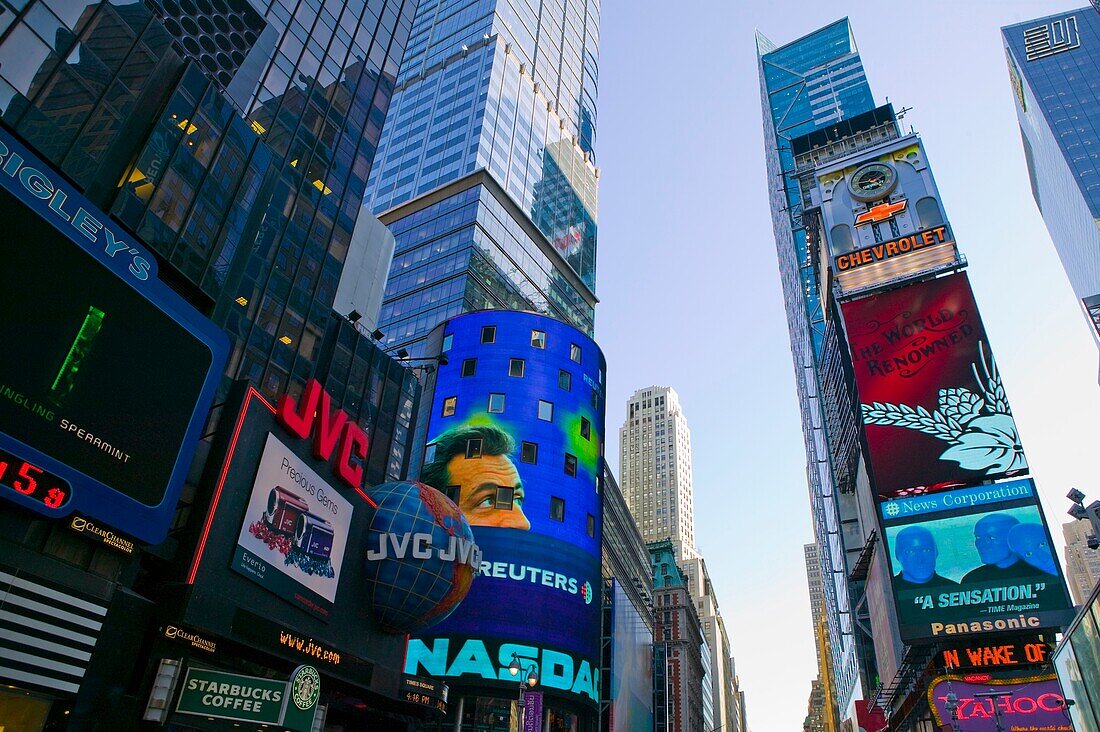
{"x": 934, "y": 408}
{"x": 514, "y": 439}
{"x": 973, "y": 561}
{"x": 92, "y": 419}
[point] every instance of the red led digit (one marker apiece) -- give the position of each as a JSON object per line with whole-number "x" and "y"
{"x": 29, "y": 484}
{"x": 54, "y": 498}
{"x": 3, "y": 468}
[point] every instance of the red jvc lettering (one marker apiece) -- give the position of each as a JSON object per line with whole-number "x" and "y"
{"x": 313, "y": 413}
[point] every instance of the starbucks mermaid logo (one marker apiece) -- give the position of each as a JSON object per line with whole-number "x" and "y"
{"x": 305, "y": 687}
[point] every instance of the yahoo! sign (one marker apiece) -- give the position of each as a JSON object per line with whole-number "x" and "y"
{"x": 1034, "y": 702}
{"x": 332, "y": 431}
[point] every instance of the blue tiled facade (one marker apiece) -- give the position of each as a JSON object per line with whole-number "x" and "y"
{"x": 1054, "y": 68}
{"x": 805, "y": 85}
{"x": 506, "y": 88}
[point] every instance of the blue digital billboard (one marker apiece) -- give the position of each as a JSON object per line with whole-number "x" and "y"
{"x": 973, "y": 561}
{"x": 514, "y": 438}
{"x": 107, "y": 374}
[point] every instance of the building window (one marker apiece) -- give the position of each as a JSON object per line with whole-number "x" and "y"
{"x": 449, "y": 405}
{"x": 546, "y": 411}
{"x": 488, "y": 334}
{"x": 1092, "y": 305}
{"x": 570, "y": 464}
{"x": 452, "y": 492}
{"x": 469, "y": 367}
{"x": 447, "y": 341}
{"x": 557, "y": 508}
{"x": 586, "y": 429}
{"x": 840, "y": 239}
{"x": 496, "y": 404}
{"x": 928, "y": 211}
{"x": 574, "y": 353}
{"x": 529, "y": 452}
{"x": 591, "y": 525}
{"x": 565, "y": 380}
{"x": 516, "y": 367}
{"x": 538, "y": 339}
{"x": 505, "y": 499}
{"x": 473, "y": 448}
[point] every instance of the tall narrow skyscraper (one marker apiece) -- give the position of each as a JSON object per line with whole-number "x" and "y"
{"x": 486, "y": 175}
{"x": 813, "y": 82}
{"x": 655, "y": 463}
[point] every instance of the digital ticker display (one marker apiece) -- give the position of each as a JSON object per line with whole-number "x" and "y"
{"x": 106, "y": 374}
{"x": 973, "y": 561}
{"x": 514, "y": 439}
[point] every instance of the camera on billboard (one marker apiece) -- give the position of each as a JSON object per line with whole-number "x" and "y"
{"x": 284, "y": 508}
{"x": 313, "y": 535}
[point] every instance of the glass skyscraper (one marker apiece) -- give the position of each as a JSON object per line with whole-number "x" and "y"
{"x": 1054, "y": 66}
{"x": 486, "y": 174}
{"x": 813, "y": 82}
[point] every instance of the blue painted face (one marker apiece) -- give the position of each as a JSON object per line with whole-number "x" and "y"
{"x": 916, "y": 550}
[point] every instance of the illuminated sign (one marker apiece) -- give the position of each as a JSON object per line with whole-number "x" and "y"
{"x": 520, "y": 456}
{"x": 987, "y": 568}
{"x": 934, "y": 408}
{"x": 176, "y": 633}
{"x": 883, "y": 251}
{"x": 295, "y": 531}
{"x": 425, "y": 692}
{"x": 419, "y": 546}
{"x": 1049, "y": 39}
{"x": 1005, "y": 653}
{"x": 881, "y": 212}
{"x": 97, "y": 533}
{"x": 101, "y": 424}
{"x": 1029, "y": 703}
{"x": 220, "y": 695}
{"x": 332, "y": 432}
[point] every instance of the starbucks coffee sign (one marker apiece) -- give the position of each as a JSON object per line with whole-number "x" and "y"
{"x": 222, "y": 695}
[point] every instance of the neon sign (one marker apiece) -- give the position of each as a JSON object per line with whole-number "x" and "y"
{"x": 313, "y": 413}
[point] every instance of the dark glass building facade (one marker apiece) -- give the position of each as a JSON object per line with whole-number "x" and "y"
{"x": 487, "y": 175}
{"x": 1054, "y": 68}
{"x": 233, "y": 140}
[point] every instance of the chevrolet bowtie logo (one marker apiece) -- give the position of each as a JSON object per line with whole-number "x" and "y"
{"x": 881, "y": 212}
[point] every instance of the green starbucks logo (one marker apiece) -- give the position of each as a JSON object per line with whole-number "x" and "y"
{"x": 305, "y": 688}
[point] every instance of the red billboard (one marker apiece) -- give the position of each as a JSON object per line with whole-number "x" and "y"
{"x": 934, "y": 407}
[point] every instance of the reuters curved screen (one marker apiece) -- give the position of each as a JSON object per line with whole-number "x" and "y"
{"x": 514, "y": 438}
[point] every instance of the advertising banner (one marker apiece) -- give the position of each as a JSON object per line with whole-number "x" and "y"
{"x": 91, "y": 419}
{"x": 231, "y": 696}
{"x": 1025, "y": 704}
{"x": 294, "y": 532}
{"x": 934, "y": 408}
{"x": 532, "y": 711}
{"x": 514, "y": 439}
{"x": 973, "y": 561}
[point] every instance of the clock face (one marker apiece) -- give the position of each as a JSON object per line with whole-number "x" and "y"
{"x": 872, "y": 182}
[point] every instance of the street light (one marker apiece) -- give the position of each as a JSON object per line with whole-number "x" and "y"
{"x": 952, "y": 704}
{"x": 532, "y": 678}
{"x": 1091, "y": 512}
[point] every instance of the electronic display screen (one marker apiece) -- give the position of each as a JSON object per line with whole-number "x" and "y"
{"x": 631, "y": 666}
{"x": 974, "y": 561}
{"x": 97, "y": 376}
{"x": 514, "y": 438}
{"x": 107, "y": 374}
{"x": 933, "y": 402}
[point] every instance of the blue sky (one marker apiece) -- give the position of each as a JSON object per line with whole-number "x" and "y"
{"x": 690, "y": 291}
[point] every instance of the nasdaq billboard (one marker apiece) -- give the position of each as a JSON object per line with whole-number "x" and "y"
{"x": 107, "y": 375}
{"x": 934, "y": 408}
{"x": 973, "y": 561}
{"x": 514, "y": 438}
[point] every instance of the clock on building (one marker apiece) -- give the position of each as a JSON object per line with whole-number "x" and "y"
{"x": 872, "y": 182}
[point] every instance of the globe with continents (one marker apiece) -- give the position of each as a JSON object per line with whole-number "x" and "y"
{"x": 417, "y": 581}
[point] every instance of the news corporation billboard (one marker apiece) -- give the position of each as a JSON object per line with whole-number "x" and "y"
{"x": 934, "y": 408}
{"x": 514, "y": 438}
{"x": 973, "y": 561}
